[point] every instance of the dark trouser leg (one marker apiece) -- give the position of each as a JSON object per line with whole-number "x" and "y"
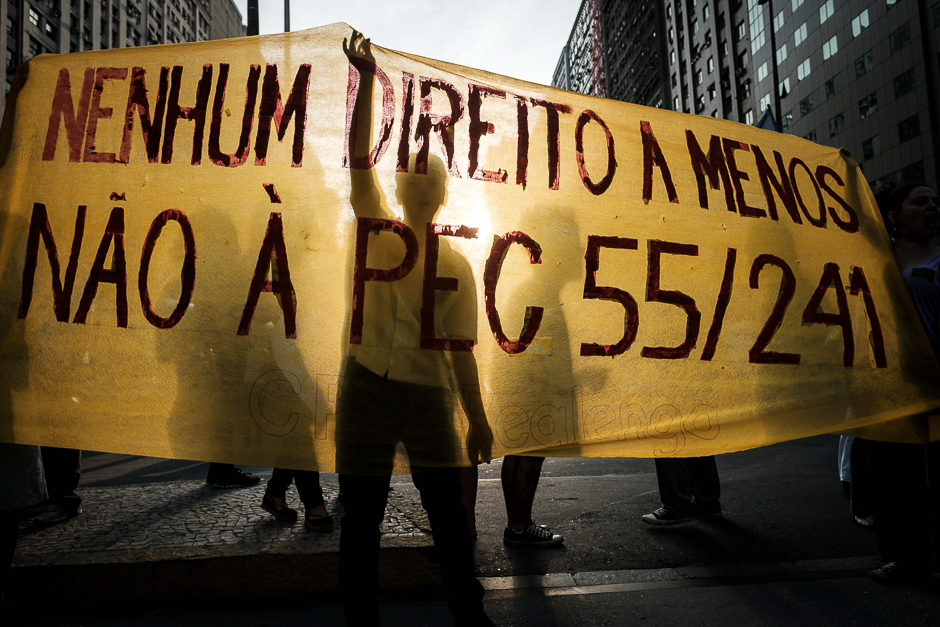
{"x": 63, "y": 469}
{"x": 364, "y": 499}
{"x": 900, "y": 503}
{"x": 308, "y": 487}
{"x": 520, "y": 479}
{"x": 441, "y": 498}
{"x": 279, "y": 482}
{"x": 672, "y": 475}
{"x": 9, "y": 526}
{"x": 860, "y": 494}
{"x": 704, "y": 483}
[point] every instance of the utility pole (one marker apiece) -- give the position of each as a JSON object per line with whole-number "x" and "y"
{"x": 286, "y": 16}
{"x": 253, "y": 17}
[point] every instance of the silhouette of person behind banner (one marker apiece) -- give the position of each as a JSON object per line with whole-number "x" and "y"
{"x": 400, "y": 397}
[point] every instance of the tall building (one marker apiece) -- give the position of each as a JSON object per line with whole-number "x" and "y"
{"x": 60, "y": 26}
{"x": 861, "y": 75}
{"x": 581, "y": 65}
{"x": 635, "y": 54}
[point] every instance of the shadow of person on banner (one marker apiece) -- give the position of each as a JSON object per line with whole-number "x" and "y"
{"x": 410, "y": 358}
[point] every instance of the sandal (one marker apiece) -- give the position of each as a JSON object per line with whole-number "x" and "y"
{"x": 865, "y": 522}
{"x": 278, "y": 507}
{"x": 318, "y": 522}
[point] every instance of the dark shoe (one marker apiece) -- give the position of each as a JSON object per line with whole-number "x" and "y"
{"x": 894, "y": 573}
{"x": 282, "y": 513}
{"x": 55, "y": 514}
{"x": 663, "y": 517}
{"x": 865, "y": 522}
{"x": 532, "y": 535}
{"x": 316, "y": 522}
{"x": 233, "y": 478}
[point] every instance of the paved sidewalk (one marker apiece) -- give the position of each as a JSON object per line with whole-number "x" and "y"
{"x": 185, "y": 538}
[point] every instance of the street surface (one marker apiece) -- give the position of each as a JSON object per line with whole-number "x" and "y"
{"x": 783, "y": 505}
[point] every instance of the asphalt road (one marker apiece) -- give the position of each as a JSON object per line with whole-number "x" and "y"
{"x": 782, "y": 503}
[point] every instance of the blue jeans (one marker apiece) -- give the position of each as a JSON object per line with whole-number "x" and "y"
{"x": 689, "y": 485}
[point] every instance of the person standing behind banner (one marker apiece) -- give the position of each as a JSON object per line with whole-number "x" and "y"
{"x": 688, "y": 486}
{"x": 274, "y": 501}
{"x": 400, "y": 395}
{"x": 62, "y": 468}
{"x": 906, "y": 477}
{"x": 22, "y": 484}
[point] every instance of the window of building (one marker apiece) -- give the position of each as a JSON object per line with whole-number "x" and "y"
{"x": 742, "y": 60}
{"x": 710, "y": 64}
{"x": 806, "y": 105}
{"x": 795, "y": 4}
{"x": 889, "y": 4}
{"x": 784, "y": 87}
{"x": 826, "y": 11}
{"x": 871, "y": 147}
{"x": 742, "y": 31}
{"x": 672, "y": 56}
{"x": 781, "y": 54}
{"x": 836, "y": 125}
{"x": 50, "y": 30}
{"x": 669, "y": 10}
{"x": 699, "y": 77}
{"x": 864, "y": 64}
{"x": 778, "y": 21}
{"x": 799, "y": 35}
{"x": 711, "y": 92}
{"x": 762, "y": 71}
{"x": 787, "y": 120}
{"x": 11, "y": 61}
{"x": 867, "y": 105}
{"x": 810, "y": 136}
{"x": 803, "y": 70}
{"x": 11, "y": 26}
{"x": 908, "y": 129}
{"x": 671, "y": 35}
{"x": 674, "y": 81}
{"x": 833, "y": 86}
{"x": 764, "y": 103}
{"x": 694, "y": 26}
{"x": 706, "y": 12}
{"x": 700, "y": 104}
{"x": 724, "y": 49}
{"x": 860, "y": 23}
{"x": 936, "y": 14}
{"x": 904, "y": 83}
{"x": 746, "y": 89}
{"x": 675, "y": 103}
{"x": 900, "y": 38}
{"x": 830, "y": 47}
{"x": 33, "y": 17}
{"x": 749, "y": 116}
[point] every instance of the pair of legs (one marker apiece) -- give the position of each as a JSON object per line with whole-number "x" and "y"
{"x": 364, "y": 499}
{"x": 520, "y": 479}
{"x": 63, "y": 470}
{"x": 689, "y": 485}
{"x": 906, "y": 504}
{"x": 308, "y": 487}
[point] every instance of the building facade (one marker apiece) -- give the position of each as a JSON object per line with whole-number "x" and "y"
{"x": 635, "y": 55}
{"x": 581, "y": 65}
{"x": 862, "y": 75}
{"x": 60, "y": 26}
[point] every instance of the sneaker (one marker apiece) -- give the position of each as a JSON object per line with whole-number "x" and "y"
{"x": 234, "y": 478}
{"x": 893, "y": 573}
{"x": 663, "y": 517}
{"x": 55, "y": 514}
{"x": 532, "y": 535}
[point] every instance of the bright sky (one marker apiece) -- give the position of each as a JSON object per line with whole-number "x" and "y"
{"x": 517, "y": 38}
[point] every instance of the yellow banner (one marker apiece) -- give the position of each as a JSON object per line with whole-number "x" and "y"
{"x": 304, "y": 251}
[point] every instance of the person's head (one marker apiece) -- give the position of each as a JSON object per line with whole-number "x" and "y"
{"x": 421, "y": 195}
{"x": 912, "y": 211}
